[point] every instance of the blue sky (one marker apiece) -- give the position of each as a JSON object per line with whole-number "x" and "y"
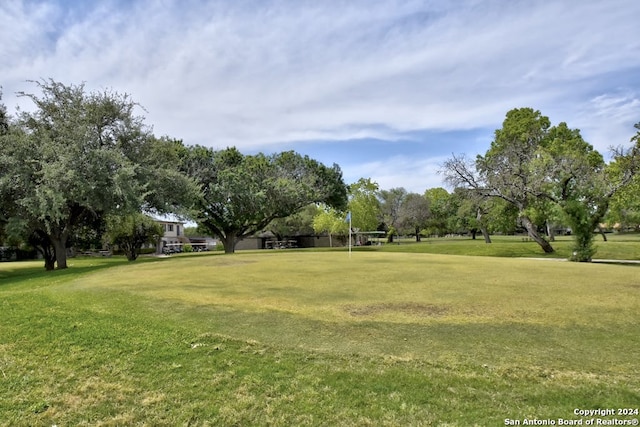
{"x": 387, "y": 89}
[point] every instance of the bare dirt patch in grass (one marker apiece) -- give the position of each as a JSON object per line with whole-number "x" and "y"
{"x": 407, "y": 308}
{"x": 228, "y": 261}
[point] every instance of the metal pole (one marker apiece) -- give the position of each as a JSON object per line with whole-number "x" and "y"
{"x": 349, "y": 234}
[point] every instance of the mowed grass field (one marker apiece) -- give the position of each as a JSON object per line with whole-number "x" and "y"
{"x": 619, "y": 246}
{"x": 316, "y": 338}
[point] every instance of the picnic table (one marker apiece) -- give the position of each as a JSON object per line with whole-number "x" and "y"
{"x": 281, "y": 244}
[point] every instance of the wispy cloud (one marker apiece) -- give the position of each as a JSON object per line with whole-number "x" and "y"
{"x": 394, "y": 172}
{"x": 263, "y": 73}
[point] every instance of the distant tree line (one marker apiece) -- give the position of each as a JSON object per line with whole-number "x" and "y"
{"x": 82, "y": 169}
{"x": 82, "y": 166}
{"x": 535, "y": 177}
{"x": 397, "y": 212}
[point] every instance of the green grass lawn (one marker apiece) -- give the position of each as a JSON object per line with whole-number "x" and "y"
{"x": 617, "y": 246}
{"x": 316, "y": 338}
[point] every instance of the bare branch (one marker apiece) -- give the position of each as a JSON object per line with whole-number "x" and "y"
{"x": 459, "y": 171}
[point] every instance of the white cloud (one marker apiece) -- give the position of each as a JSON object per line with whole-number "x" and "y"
{"x": 607, "y": 119}
{"x": 254, "y": 73}
{"x": 414, "y": 175}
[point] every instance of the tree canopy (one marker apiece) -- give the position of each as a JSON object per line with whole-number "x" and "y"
{"x": 414, "y": 213}
{"x": 78, "y": 156}
{"x": 4, "y": 117}
{"x": 531, "y": 165}
{"x": 130, "y": 232}
{"x": 391, "y": 202}
{"x": 364, "y": 205}
{"x": 241, "y": 194}
{"x": 441, "y": 211}
{"x": 331, "y": 221}
{"x": 81, "y": 157}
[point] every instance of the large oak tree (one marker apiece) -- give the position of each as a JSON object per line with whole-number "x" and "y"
{"x": 241, "y": 194}
{"x": 79, "y": 156}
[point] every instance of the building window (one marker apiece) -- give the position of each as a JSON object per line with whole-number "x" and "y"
{"x": 170, "y": 227}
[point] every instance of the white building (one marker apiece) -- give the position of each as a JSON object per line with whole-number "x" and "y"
{"x": 173, "y": 238}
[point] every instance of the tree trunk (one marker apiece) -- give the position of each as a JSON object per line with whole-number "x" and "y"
{"x": 417, "y": 234}
{"x": 49, "y": 256}
{"x": 601, "y": 231}
{"x": 483, "y": 228}
{"x": 533, "y": 233}
{"x": 50, "y": 263}
{"x": 550, "y": 232}
{"x": 41, "y": 241}
{"x": 390, "y": 238}
{"x": 130, "y": 251}
{"x": 229, "y": 242}
{"x": 485, "y": 234}
{"x": 60, "y": 248}
{"x": 473, "y": 233}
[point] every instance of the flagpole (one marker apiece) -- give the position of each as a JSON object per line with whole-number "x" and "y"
{"x": 349, "y": 234}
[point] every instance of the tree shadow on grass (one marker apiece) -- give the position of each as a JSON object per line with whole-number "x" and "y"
{"x": 16, "y": 273}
